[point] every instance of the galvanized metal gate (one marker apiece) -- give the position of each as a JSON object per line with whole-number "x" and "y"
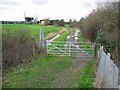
{"x": 64, "y": 48}
{"x": 67, "y": 48}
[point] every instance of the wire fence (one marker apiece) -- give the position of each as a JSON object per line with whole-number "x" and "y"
{"x": 107, "y": 74}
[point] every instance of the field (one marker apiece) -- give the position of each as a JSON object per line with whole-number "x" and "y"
{"x": 47, "y": 71}
{"x": 34, "y": 29}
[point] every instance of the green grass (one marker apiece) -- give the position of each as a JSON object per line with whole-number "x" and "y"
{"x": 85, "y": 78}
{"x": 60, "y": 41}
{"x": 38, "y": 73}
{"x": 34, "y": 29}
{"x": 63, "y": 36}
{"x": 42, "y": 71}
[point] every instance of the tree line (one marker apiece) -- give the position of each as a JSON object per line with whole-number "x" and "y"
{"x": 101, "y": 27}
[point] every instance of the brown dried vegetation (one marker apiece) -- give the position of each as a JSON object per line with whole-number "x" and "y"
{"x": 101, "y": 26}
{"x": 17, "y": 48}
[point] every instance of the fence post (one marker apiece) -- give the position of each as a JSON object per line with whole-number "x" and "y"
{"x": 41, "y": 36}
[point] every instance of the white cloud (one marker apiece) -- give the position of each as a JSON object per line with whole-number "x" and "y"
{"x": 56, "y": 9}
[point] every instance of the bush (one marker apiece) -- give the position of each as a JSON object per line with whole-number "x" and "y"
{"x": 11, "y": 39}
{"x": 101, "y": 26}
{"x": 17, "y": 47}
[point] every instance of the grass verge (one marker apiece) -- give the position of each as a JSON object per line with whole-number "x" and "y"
{"x": 85, "y": 78}
{"x": 37, "y": 74}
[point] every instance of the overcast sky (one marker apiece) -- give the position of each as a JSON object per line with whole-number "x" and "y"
{"x": 15, "y": 10}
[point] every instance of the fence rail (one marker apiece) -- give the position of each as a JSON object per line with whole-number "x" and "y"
{"x": 68, "y": 48}
{"x": 107, "y": 71}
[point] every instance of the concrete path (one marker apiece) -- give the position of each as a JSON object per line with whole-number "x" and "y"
{"x": 65, "y": 78}
{"x": 81, "y": 54}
